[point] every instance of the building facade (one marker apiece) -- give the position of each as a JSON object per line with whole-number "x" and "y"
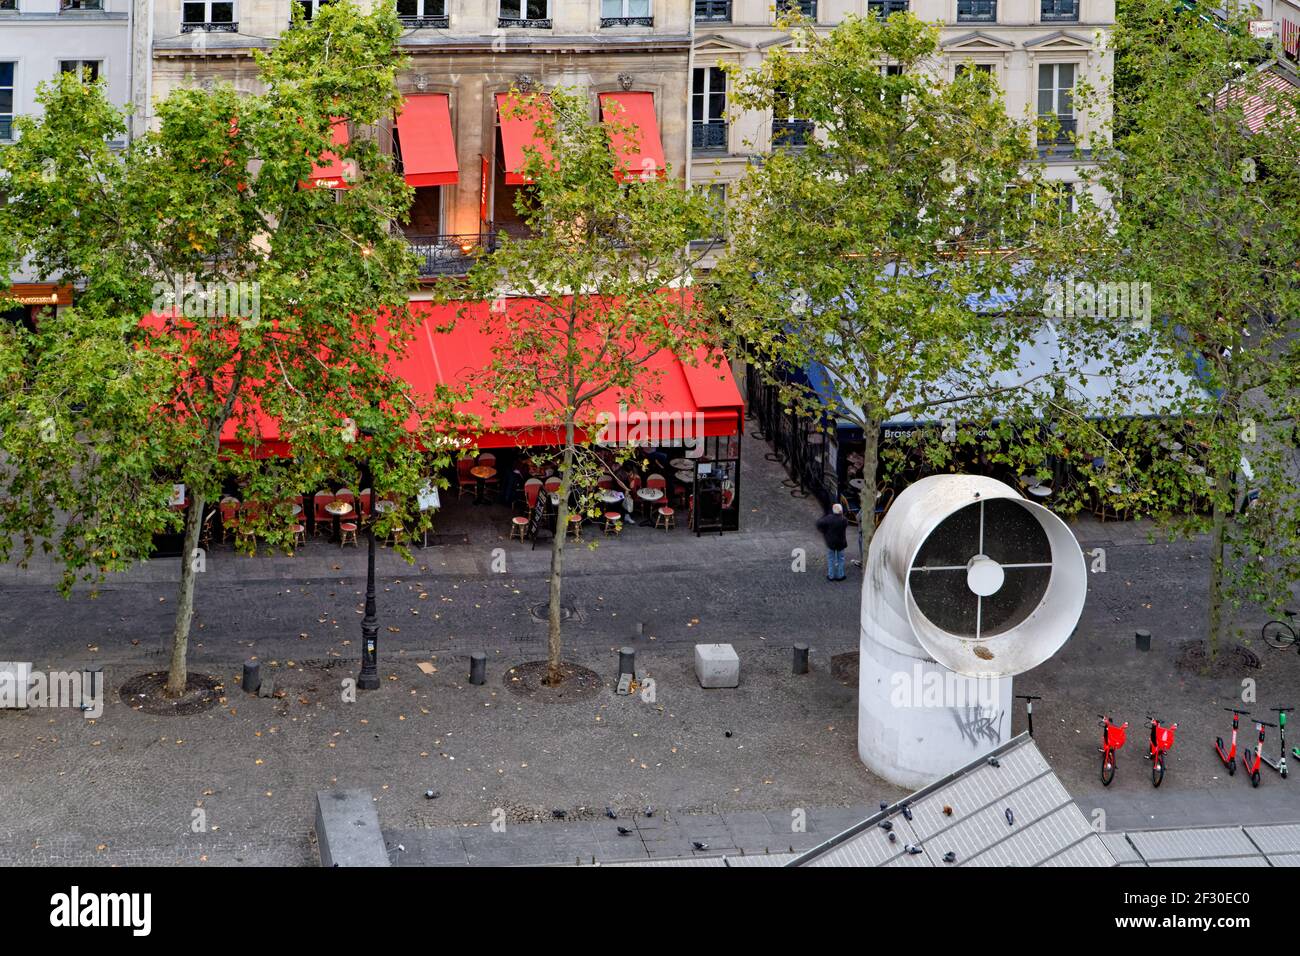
{"x": 1039, "y": 51}
{"x": 462, "y": 56}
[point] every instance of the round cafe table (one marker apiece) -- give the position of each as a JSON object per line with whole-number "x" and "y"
{"x": 338, "y": 510}
{"x": 679, "y": 464}
{"x": 481, "y": 475}
{"x": 857, "y": 484}
{"x": 685, "y": 477}
{"x": 1040, "y": 491}
{"x": 611, "y": 497}
{"x": 649, "y": 496}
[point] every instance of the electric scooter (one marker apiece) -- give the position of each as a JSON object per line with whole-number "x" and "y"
{"x": 1250, "y": 759}
{"x": 1229, "y": 756}
{"x": 1280, "y": 764}
{"x": 1162, "y": 741}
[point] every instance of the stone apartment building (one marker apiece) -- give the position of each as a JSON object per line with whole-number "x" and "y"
{"x": 1039, "y": 51}
{"x": 463, "y": 56}
{"x": 38, "y": 40}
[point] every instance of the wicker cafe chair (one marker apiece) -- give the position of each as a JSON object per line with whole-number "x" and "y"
{"x": 466, "y": 484}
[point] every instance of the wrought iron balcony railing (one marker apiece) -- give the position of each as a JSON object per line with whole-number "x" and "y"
{"x": 426, "y": 23}
{"x": 534, "y": 24}
{"x": 791, "y": 133}
{"x": 710, "y": 135}
{"x": 627, "y": 22}
{"x": 449, "y": 254}
{"x": 714, "y": 11}
{"x": 883, "y": 8}
{"x": 231, "y": 26}
{"x": 1059, "y": 11}
{"x": 807, "y": 7}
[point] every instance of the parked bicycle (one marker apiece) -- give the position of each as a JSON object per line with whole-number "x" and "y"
{"x": 1112, "y": 739}
{"x": 1280, "y": 634}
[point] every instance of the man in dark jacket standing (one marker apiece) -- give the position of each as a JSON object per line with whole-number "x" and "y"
{"x": 834, "y": 528}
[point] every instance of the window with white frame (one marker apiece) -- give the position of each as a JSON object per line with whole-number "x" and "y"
{"x": 86, "y": 70}
{"x": 422, "y": 13}
{"x": 1056, "y": 98}
{"x": 708, "y": 108}
{"x": 625, "y": 13}
{"x": 8, "y": 4}
{"x": 218, "y": 15}
{"x": 524, "y": 13}
{"x": 974, "y": 70}
{"x": 81, "y": 4}
{"x": 310, "y": 8}
{"x": 7, "y": 100}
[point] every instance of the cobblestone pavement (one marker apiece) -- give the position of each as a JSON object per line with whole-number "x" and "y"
{"x": 125, "y": 788}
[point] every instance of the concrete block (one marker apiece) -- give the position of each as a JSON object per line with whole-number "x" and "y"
{"x": 716, "y": 665}
{"x": 347, "y": 829}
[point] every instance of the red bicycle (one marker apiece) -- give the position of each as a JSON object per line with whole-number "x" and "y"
{"x": 1162, "y": 741}
{"x": 1112, "y": 738}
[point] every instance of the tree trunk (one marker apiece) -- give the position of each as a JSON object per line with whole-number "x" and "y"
{"x": 1218, "y": 543}
{"x": 554, "y": 675}
{"x": 867, "y": 500}
{"x": 177, "y": 671}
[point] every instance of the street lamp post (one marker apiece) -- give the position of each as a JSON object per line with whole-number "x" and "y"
{"x": 369, "y": 676}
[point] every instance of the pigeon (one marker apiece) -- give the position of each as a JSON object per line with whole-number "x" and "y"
{"x": 884, "y": 805}
{"x": 912, "y": 849}
{"x": 649, "y": 811}
{"x": 893, "y": 837}
{"x": 950, "y": 857}
{"x": 993, "y": 762}
{"x": 947, "y": 810}
{"x": 907, "y": 813}
{"x": 609, "y": 812}
{"x": 699, "y": 845}
{"x": 432, "y": 794}
{"x": 885, "y": 825}
{"x": 559, "y": 814}
{"x": 1011, "y": 820}
{"x": 727, "y": 733}
{"x": 623, "y": 831}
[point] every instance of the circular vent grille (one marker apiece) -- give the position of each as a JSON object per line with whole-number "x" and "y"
{"x": 983, "y": 570}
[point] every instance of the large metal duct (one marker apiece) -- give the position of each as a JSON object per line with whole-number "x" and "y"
{"x": 967, "y": 584}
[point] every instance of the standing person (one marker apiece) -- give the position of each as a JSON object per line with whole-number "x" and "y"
{"x": 834, "y": 529}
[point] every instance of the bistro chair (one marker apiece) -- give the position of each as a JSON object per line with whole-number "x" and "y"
{"x": 552, "y": 484}
{"x": 532, "y": 488}
{"x": 323, "y": 520}
{"x": 575, "y": 526}
{"x": 299, "y": 535}
{"x": 657, "y": 480}
{"x": 884, "y": 498}
{"x": 605, "y": 484}
{"x": 850, "y": 512}
{"x": 365, "y": 506}
{"x": 348, "y": 532}
{"x": 248, "y": 513}
{"x": 205, "y": 531}
{"x": 613, "y": 522}
{"x": 518, "y": 528}
{"x": 664, "y": 518}
{"x": 229, "y": 509}
{"x": 466, "y": 484}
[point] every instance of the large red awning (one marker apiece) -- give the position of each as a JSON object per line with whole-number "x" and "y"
{"x": 695, "y": 400}
{"x": 331, "y": 172}
{"x": 428, "y": 149}
{"x": 518, "y": 115}
{"x": 635, "y": 134}
{"x": 700, "y": 397}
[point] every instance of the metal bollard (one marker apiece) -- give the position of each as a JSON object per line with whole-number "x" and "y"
{"x": 478, "y": 668}
{"x": 626, "y": 661}
{"x": 252, "y": 677}
{"x": 1143, "y": 639}
{"x": 801, "y": 658}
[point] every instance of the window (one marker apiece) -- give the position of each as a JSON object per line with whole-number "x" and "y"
{"x": 310, "y": 8}
{"x": 713, "y": 11}
{"x": 717, "y": 194}
{"x": 1058, "y": 201}
{"x": 806, "y": 7}
{"x": 884, "y": 8}
{"x": 216, "y": 15}
{"x": 525, "y": 13}
{"x": 6, "y": 100}
{"x": 977, "y": 11}
{"x": 1060, "y": 10}
{"x": 87, "y": 69}
{"x": 8, "y": 4}
{"x": 788, "y": 130}
{"x": 625, "y": 13}
{"x": 1056, "y": 97}
{"x": 81, "y": 4}
{"x": 423, "y": 13}
{"x": 708, "y": 108}
{"x": 972, "y": 69}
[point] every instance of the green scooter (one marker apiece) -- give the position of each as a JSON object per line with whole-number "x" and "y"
{"x": 1280, "y": 764}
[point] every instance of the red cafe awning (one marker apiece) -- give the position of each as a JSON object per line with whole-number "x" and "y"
{"x": 428, "y": 149}
{"x": 330, "y": 171}
{"x": 519, "y": 131}
{"x": 634, "y": 134}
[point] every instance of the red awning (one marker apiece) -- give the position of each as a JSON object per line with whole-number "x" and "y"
{"x": 635, "y": 134}
{"x": 519, "y": 131}
{"x": 331, "y": 171}
{"x": 428, "y": 149}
